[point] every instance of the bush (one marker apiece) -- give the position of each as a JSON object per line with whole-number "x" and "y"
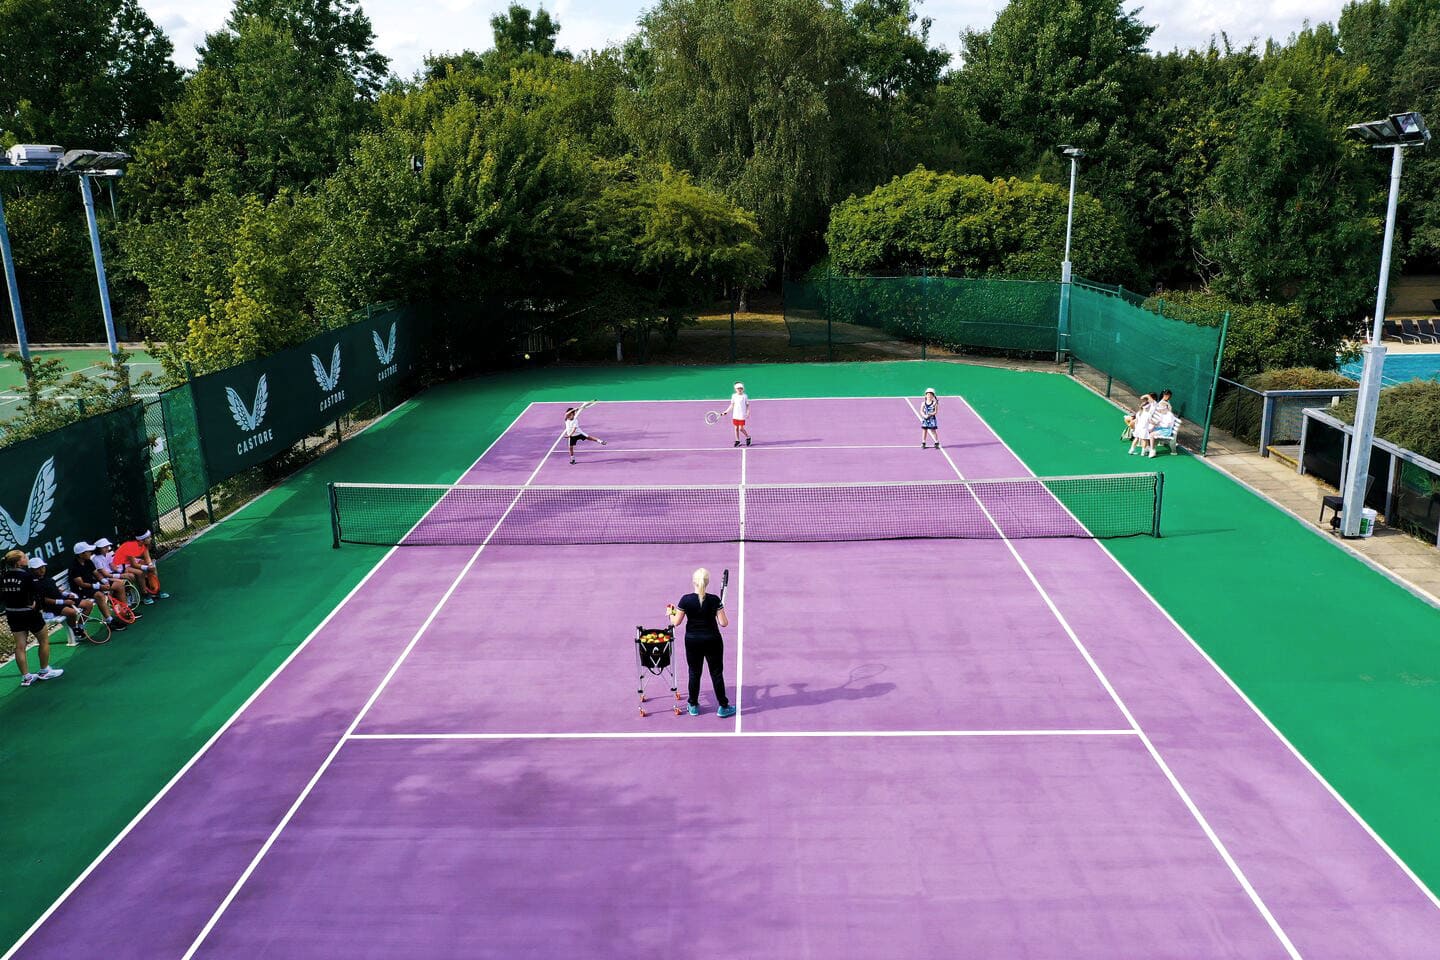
{"x": 1264, "y": 336}
{"x": 1239, "y": 411}
{"x": 1409, "y": 416}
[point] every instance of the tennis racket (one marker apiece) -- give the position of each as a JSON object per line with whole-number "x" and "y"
{"x": 123, "y": 613}
{"x": 713, "y": 417}
{"x": 724, "y": 582}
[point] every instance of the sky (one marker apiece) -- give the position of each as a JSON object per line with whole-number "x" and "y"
{"x": 406, "y": 30}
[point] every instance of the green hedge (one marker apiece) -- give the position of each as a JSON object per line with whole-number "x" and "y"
{"x": 1408, "y": 415}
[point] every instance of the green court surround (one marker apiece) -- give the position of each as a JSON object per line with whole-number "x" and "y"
{"x": 1343, "y": 661}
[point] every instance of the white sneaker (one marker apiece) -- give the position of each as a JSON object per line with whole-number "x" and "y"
{"x": 27, "y": 679}
{"x": 1152, "y": 454}
{"x": 49, "y": 673}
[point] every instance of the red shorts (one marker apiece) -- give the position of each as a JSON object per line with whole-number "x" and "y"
{"x": 738, "y": 423}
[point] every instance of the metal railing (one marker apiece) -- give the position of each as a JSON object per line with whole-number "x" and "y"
{"x": 1410, "y": 497}
{"x": 1269, "y": 418}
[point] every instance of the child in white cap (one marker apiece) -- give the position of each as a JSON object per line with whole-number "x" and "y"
{"x": 739, "y": 410}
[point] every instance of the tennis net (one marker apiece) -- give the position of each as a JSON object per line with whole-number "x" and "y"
{"x": 1100, "y": 506}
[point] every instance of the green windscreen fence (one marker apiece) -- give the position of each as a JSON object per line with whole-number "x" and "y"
{"x": 1142, "y": 343}
{"x": 249, "y": 413}
{"x": 1146, "y": 346}
{"x": 84, "y": 481}
{"x": 949, "y": 312}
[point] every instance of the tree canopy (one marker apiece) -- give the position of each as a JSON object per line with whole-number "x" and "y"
{"x": 725, "y": 144}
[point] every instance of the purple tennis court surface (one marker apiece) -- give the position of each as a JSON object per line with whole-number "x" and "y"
{"x": 983, "y": 748}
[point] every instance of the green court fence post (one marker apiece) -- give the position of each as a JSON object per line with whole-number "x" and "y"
{"x": 334, "y": 517}
{"x": 732, "y": 330}
{"x": 339, "y": 437}
{"x": 924, "y": 308}
{"x": 1159, "y": 499}
{"x": 1214, "y": 383}
{"x": 829, "y": 322}
{"x": 1109, "y": 379}
{"x": 200, "y": 442}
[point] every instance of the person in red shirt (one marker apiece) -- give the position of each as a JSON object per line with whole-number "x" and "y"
{"x": 134, "y": 554}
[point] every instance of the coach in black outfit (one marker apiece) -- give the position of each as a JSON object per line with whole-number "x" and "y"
{"x": 703, "y": 616}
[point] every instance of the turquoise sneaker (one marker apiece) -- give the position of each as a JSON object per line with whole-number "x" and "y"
{"x": 724, "y": 712}
{"x": 693, "y": 710}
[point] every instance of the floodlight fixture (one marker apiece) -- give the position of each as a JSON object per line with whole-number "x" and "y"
{"x": 1074, "y": 153}
{"x": 92, "y": 161}
{"x": 40, "y": 156}
{"x": 1396, "y": 130}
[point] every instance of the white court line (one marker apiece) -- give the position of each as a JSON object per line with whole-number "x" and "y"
{"x": 740, "y": 589}
{"x": 359, "y": 717}
{"x": 612, "y": 447}
{"x": 753, "y": 735}
{"x": 205, "y": 747}
{"x": 1429, "y": 894}
{"x": 1209, "y": 831}
{"x": 753, "y": 401}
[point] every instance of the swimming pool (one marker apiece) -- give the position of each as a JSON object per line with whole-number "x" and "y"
{"x": 1401, "y": 368}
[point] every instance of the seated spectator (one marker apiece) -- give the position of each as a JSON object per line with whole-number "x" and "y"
{"x": 19, "y": 591}
{"x": 135, "y": 554}
{"x": 1140, "y": 424}
{"x": 105, "y": 563}
{"x": 1164, "y": 424}
{"x": 86, "y": 581}
{"x": 65, "y": 605}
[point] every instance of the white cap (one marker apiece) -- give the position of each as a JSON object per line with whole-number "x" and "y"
{"x": 83, "y": 547}
{"x": 102, "y": 543}
{"x": 739, "y": 386}
{"x": 36, "y": 563}
{"x": 144, "y": 536}
{"x": 929, "y": 389}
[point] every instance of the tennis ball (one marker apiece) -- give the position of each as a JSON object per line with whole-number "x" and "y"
{"x": 527, "y": 356}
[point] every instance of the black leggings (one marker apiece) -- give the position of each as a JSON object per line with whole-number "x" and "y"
{"x": 698, "y": 653}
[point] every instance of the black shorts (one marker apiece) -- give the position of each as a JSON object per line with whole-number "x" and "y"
{"x": 577, "y": 438}
{"x": 25, "y": 621}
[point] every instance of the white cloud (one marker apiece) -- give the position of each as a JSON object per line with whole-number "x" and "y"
{"x": 406, "y": 30}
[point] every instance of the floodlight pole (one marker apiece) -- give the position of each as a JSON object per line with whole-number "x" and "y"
{"x": 89, "y": 197}
{"x": 11, "y": 287}
{"x": 1358, "y": 467}
{"x": 1063, "y": 334}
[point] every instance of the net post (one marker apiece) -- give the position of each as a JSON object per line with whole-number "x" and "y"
{"x": 1159, "y": 499}
{"x": 334, "y": 516}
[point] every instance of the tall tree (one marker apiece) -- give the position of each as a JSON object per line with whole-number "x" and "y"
{"x": 277, "y": 100}
{"x": 900, "y": 72}
{"x": 1399, "y": 42}
{"x": 754, "y": 97}
{"x": 1290, "y": 210}
{"x": 81, "y": 74}
{"x": 518, "y": 32}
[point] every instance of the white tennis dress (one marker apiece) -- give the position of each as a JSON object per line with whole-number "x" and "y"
{"x": 1143, "y": 428}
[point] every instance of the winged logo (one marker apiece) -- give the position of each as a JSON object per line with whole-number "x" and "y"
{"x": 328, "y": 379}
{"x": 386, "y": 352}
{"x": 245, "y": 418}
{"x": 37, "y": 511}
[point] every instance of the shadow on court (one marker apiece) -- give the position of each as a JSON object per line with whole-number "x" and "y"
{"x": 765, "y": 698}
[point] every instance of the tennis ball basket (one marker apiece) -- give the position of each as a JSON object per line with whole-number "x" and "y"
{"x": 655, "y": 657}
